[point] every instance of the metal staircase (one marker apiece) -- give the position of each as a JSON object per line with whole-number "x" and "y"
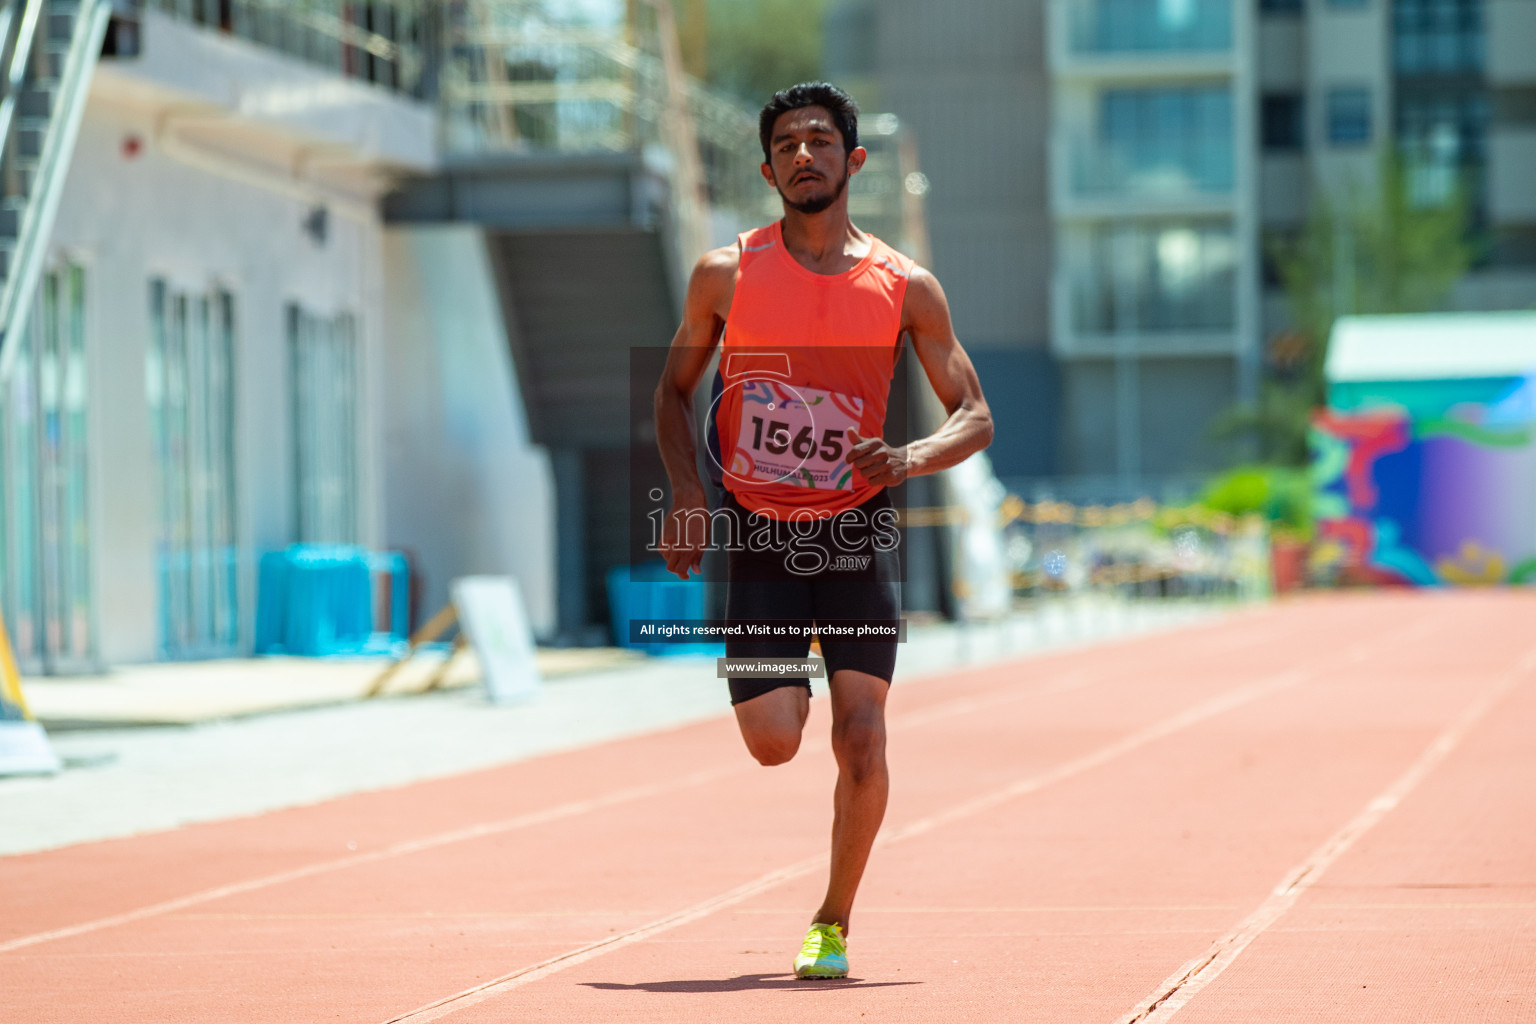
{"x": 48, "y": 52}
{"x": 520, "y": 79}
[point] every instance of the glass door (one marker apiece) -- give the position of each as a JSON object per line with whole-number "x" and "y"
{"x": 45, "y": 541}
{"x": 323, "y": 356}
{"x": 189, "y": 382}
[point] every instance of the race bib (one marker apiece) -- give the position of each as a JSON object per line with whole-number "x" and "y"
{"x": 794, "y": 435}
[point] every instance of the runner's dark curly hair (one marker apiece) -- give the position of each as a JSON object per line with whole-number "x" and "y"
{"x": 844, "y": 111}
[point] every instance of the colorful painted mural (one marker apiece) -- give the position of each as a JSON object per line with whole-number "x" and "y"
{"x": 1427, "y": 493}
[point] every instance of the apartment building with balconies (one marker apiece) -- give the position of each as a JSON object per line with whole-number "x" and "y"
{"x": 1154, "y": 288}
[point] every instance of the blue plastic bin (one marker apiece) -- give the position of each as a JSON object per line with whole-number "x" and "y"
{"x": 644, "y": 592}
{"x": 318, "y": 600}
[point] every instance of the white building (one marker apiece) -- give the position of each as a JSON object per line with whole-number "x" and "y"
{"x": 230, "y": 351}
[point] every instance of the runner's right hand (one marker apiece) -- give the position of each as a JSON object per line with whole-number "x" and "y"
{"x": 682, "y": 547}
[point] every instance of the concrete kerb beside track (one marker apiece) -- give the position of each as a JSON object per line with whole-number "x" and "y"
{"x": 136, "y": 780}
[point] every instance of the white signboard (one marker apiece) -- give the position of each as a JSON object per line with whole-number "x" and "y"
{"x": 492, "y": 615}
{"x": 981, "y": 557}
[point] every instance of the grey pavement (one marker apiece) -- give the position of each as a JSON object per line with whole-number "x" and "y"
{"x": 124, "y": 781}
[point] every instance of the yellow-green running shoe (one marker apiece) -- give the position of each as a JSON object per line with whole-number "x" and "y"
{"x": 825, "y": 953}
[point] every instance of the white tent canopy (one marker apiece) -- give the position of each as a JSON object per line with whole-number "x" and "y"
{"x": 1432, "y": 346}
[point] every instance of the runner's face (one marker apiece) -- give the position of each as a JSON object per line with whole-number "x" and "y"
{"x": 807, "y": 162}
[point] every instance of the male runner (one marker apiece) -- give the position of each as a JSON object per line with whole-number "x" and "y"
{"x": 819, "y": 308}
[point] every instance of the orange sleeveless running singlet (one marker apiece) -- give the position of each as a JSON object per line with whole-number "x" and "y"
{"x": 804, "y": 357}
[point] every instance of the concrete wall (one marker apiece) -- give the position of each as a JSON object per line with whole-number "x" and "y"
{"x": 970, "y": 81}
{"x": 1180, "y": 403}
{"x": 1512, "y": 173}
{"x": 1348, "y": 47}
{"x": 1023, "y": 388}
{"x": 466, "y": 489}
{"x": 1511, "y": 28}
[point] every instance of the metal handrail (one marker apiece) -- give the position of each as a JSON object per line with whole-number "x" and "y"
{"x": 345, "y": 32}
{"x": 16, "y": 70}
{"x": 48, "y": 182}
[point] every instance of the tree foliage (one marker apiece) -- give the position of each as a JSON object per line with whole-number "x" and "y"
{"x": 756, "y": 47}
{"x": 1282, "y": 495}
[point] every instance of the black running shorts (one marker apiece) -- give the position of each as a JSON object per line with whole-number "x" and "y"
{"x": 844, "y": 567}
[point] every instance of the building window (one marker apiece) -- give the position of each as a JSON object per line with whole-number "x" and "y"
{"x": 1349, "y": 116}
{"x": 1282, "y": 122}
{"x": 190, "y": 383}
{"x": 1155, "y": 278}
{"x": 45, "y": 540}
{"x": 1443, "y": 139}
{"x": 1121, "y": 26}
{"x": 1280, "y": 6}
{"x": 1162, "y": 140}
{"x": 323, "y": 355}
{"x": 1437, "y": 37}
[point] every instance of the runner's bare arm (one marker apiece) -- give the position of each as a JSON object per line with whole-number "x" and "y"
{"x": 968, "y": 428}
{"x": 704, "y": 311}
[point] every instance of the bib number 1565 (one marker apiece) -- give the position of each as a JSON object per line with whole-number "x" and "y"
{"x": 774, "y": 436}
{"x": 794, "y": 435}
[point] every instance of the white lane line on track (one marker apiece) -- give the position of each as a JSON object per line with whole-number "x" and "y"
{"x": 440, "y": 1008}
{"x": 1068, "y": 680}
{"x": 1189, "y": 980}
{"x": 489, "y": 828}
{"x": 1073, "y": 679}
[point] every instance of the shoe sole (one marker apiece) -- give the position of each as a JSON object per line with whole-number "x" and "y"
{"x": 823, "y": 975}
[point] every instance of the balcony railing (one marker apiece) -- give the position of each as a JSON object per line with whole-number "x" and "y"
{"x": 1150, "y": 307}
{"x": 380, "y": 41}
{"x": 1145, "y": 27}
{"x": 1147, "y": 280}
{"x": 1183, "y": 170}
{"x": 516, "y": 77}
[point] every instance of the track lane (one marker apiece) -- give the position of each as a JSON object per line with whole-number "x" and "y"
{"x": 301, "y": 842}
{"x": 182, "y": 948}
{"x": 1430, "y": 916}
{"x": 732, "y": 967}
{"x": 1191, "y": 979}
{"x": 946, "y": 745}
{"x": 952, "y": 813}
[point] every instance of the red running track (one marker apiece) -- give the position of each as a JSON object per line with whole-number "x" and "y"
{"x": 1318, "y": 810}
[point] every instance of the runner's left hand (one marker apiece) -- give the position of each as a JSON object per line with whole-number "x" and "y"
{"x": 877, "y": 461}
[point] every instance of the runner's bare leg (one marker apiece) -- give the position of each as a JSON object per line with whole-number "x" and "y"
{"x": 863, "y": 783}
{"x": 771, "y": 723}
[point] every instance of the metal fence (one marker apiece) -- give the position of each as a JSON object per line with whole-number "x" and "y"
{"x": 1139, "y": 548}
{"x": 387, "y": 42}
